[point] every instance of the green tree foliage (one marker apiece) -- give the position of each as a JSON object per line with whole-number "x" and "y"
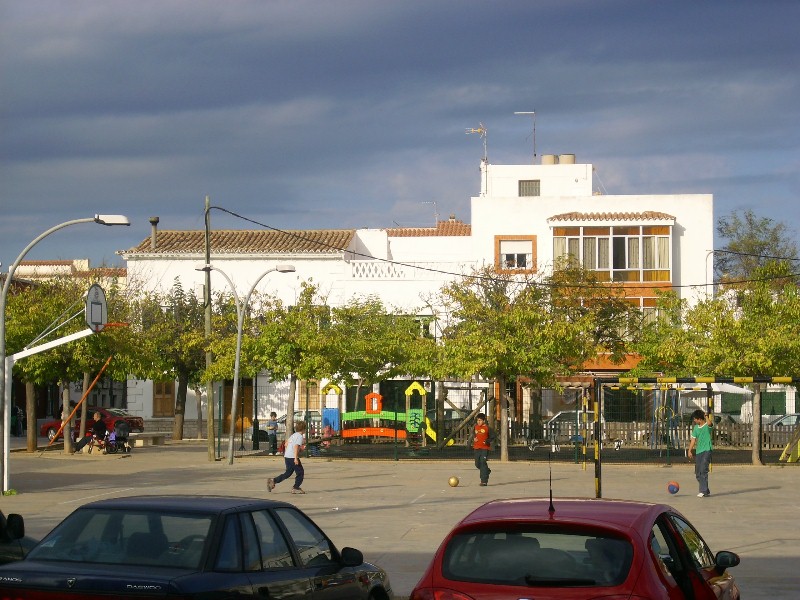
{"x": 755, "y": 247}
{"x": 171, "y": 343}
{"x": 369, "y": 342}
{"x": 503, "y": 326}
{"x": 286, "y": 341}
{"x": 751, "y": 331}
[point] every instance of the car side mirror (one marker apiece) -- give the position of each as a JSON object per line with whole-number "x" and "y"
{"x": 725, "y": 560}
{"x": 15, "y": 526}
{"x": 352, "y": 557}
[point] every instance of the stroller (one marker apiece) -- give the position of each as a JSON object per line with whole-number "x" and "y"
{"x": 118, "y": 439}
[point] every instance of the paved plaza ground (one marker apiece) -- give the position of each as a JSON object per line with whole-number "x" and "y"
{"x": 398, "y": 512}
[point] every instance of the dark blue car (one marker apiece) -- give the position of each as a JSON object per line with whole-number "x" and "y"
{"x": 14, "y": 544}
{"x": 192, "y": 547}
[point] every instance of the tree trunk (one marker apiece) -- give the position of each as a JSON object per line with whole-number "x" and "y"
{"x": 30, "y": 416}
{"x": 503, "y": 420}
{"x": 441, "y": 397}
{"x": 758, "y": 457}
{"x": 290, "y": 406}
{"x": 65, "y": 410}
{"x": 198, "y": 396}
{"x": 180, "y": 406}
{"x": 84, "y": 412}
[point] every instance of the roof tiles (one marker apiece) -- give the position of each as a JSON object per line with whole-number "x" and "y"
{"x": 247, "y": 241}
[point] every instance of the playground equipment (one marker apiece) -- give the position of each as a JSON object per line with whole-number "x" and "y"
{"x": 664, "y": 426}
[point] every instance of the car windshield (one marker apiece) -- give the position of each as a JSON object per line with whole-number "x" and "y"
{"x": 145, "y": 538}
{"x": 533, "y": 558}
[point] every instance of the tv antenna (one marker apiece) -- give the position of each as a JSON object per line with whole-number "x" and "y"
{"x": 482, "y": 131}
{"x": 435, "y": 211}
{"x": 533, "y": 115}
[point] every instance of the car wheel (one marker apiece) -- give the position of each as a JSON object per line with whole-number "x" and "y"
{"x": 51, "y": 433}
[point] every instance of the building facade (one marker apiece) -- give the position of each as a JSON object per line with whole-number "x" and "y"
{"x": 524, "y": 218}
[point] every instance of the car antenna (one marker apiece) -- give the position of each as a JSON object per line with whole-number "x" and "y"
{"x": 551, "y": 509}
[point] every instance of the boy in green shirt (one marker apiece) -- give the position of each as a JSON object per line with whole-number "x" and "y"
{"x": 701, "y": 440}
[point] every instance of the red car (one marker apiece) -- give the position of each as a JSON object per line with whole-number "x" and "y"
{"x": 110, "y": 416}
{"x": 576, "y": 549}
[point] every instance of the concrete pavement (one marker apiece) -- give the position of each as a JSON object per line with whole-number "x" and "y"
{"x": 398, "y": 512}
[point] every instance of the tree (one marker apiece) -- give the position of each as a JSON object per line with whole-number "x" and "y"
{"x": 288, "y": 342}
{"x": 502, "y": 326}
{"x": 172, "y": 343}
{"x": 725, "y": 336}
{"x": 54, "y": 308}
{"x": 369, "y": 342}
{"x": 753, "y": 244}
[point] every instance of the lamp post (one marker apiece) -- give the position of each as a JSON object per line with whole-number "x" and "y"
{"x": 240, "y": 309}
{"x": 5, "y": 373}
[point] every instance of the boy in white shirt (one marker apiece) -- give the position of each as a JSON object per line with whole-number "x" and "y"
{"x": 294, "y": 446}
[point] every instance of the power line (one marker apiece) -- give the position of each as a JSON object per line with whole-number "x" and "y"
{"x": 599, "y": 285}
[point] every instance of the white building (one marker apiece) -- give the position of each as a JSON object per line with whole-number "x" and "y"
{"x": 523, "y": 217}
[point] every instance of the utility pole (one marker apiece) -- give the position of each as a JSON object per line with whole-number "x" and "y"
{"x": 210, "y": 434}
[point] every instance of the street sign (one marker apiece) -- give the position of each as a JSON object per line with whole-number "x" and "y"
{"x": 96, "y": 313}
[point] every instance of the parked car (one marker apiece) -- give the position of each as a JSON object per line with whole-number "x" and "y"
{"x": 110, "y": 416}
{"x": 313, "y": 417}
{"x": 567, "y": 427}
{"x": 576, "y": 548}
{"x": 192, "y": 547}
{"x": 14, "y": 544}
{"x": 791, "y": 421}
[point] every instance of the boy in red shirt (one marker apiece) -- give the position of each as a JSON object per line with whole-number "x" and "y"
{"x": 481, "y": 438}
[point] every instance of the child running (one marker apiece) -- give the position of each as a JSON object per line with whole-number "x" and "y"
{"x": 294, "y": 446}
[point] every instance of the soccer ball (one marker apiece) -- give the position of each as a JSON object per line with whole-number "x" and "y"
{"x": 453, "y": 481}
{"x": 673, "y": 487}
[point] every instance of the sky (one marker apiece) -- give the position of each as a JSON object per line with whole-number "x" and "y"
{"x": 300, "y": 114}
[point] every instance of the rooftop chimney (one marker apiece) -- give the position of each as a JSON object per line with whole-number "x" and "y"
{"x": 153, "y": 232}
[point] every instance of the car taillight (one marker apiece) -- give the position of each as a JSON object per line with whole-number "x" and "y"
{"x": 437, "y": 594}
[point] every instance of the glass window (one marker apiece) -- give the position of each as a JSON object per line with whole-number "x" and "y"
{"x": 663, "y": 253}
{"x": 603, "y": 253}
{"x": 633, "y": 252}
{"x": 311, "y": 543}
{"x": 589, "y": 253}
{"x": 523, "y": 556}
{"x": 128, "y": 537}
{"x": 559, "y": 247}
{"x": 529, "y": 187}
{"x": 275, "y": 552}
{"x": 229, "y": 557}
{"x": 700, "y": 554}
{"x": 250, "y": 546}
{"x": 516, "y": 254}
{"x": 619, "y": 259}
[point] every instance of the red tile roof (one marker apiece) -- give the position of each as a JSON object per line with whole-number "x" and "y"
{"x": 247, "y": 241}
{"x": 451, "y": 228}
{"x": 648, "y": 215}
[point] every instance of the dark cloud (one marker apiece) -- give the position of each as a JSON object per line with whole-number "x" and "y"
{"x": 353, "y": 113}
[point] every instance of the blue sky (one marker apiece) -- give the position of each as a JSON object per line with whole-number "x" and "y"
{"x": 352, "y": 113}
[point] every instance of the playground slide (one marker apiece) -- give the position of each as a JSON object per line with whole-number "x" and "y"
{"x": 431, "y": 433}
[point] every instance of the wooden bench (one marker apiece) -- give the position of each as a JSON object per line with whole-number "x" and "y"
{"x": 147, "y": 439}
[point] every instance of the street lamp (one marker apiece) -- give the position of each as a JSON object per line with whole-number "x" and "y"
{"x": 240, "y": 309}
{"x": 5, "y": 373}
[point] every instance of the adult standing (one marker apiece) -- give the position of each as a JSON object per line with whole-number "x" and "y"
{"x": 701, "y": 442}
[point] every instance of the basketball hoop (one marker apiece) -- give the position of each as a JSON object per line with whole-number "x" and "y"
{"x": 96, "y": 313}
